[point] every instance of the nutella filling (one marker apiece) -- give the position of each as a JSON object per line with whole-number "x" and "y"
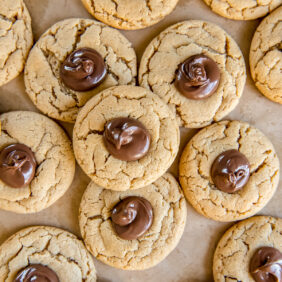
{"x": 197, "y": 77}
{"x": 83, "y": 70}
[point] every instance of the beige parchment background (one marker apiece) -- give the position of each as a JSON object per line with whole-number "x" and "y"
{"x": 192, "y": 260}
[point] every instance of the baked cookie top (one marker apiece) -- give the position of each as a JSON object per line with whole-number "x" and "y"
{"x": 171, "y": 48}
{"x": 16, "y": 38}
{"x": 243, "y": 9}
{"x": 50, "y": 247}
{"x": 169, "y": 218}
{"x": 238, "y": 245}
{"x": 130, "y": 14}
{"x": 125, "y": 102}
{"x": 266, "y": 56}
{"x": 55, "y": 163}
{"x": 196, "y": 164}
{"x": 43, "y": 69}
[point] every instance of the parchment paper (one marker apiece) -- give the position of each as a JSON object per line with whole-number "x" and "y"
{"x": 192, "y": 259}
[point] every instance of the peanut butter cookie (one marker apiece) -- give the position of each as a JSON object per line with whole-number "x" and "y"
{"x": 243, "y": 9}
{"x": 266, "y": 56}
{"x": 16, "y": 38}
{"x": 249, "y": 249}
{"x": 73, "y": 61}
{"x": 229, "y": 171}
{"x": 197, "y": 69}
{"x": 130, "y": 14}
{"x": 44, "y": 253}
{"x": 37, "y": 164}
{"x": 102, "y": 237}
{"x": 125, "y": 138}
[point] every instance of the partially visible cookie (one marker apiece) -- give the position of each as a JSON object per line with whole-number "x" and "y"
{"x": 130, "y": 14}
{"x": 240, "y": 245}
{"x": 37, "y": 164}
{"x": 205, "y": 185}
{"x": 15, "y": 38}
{"x": 102, "y": 240}
{"x": 197, "y": 69}
{"x": 243, "y": 9}
{"x": 104, "y": 162}
{"x": 61, "y": 95}
{"x": 266, "y": 56}
{"x": 51, "y": 253}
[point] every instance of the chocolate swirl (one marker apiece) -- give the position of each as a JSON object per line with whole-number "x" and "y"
{"x": 38, "y": 273}
{"x": 127, "y": 139}
{"x": 83, "y": 70}
{"x": 17, "y": 165}
{"x": 132, "y": 217}
{"x": 230, "y": 171}
{"x": 266, "y": 265}
{"x": 197, "y": 77}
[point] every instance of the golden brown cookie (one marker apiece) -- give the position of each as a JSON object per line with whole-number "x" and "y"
{"x": 47, "y": 246}
{"x": 169, "y": 218}
{"x": 243, "y": 9}
{"x": 16, "y": 38}
{"x": 42, "y": 72}
{"x": 55, "y": 163}
{"x": 125, "y": 101}
{"x": 130, "y": 14}
{"x": 196, "y": 163}
{"x": 176, "y": 44}
{"x": 238, "y": 245}
{"x": 266, "y": 56}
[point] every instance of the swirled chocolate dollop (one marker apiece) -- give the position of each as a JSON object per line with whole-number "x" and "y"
{"x": 266, "y": 265}
{"x": 197, "y": 77}
{"x": 127, "y": 139}
{"x": 132, "y": 217}
{"x": 230, "y": 171}
{"x": 83, "y": 70}
{"x": 36, "y": 273}
{"x": 17, "y": 165}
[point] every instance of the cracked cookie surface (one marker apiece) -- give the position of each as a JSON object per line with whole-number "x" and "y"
{"x": 198, "y": 156}
{"x": 169, "y": 209}
{"x": 243, "y": 9}
{"x": 57, "y": 249}
{"x": 172, "y": 47}
{"x": 266, "y": 56}
{"x": 237, "y": 246}
{"x": 54, "y": 157}
{"x": 15, "y": 38}
{"x": 42, "y": 71}
{"x": 133, "y": 102}
{"x": 130, "y": 14}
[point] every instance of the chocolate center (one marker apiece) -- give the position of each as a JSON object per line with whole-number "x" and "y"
{"x": 230, "y": 171}
{"x": 132, "y": 217}
{"x": 17, "y": 165}
{"x": 266, "y": 265}
{"x": 127, "y": 139}
{"x": 197, "y": 77}
{"x": 36, "y": 273}
{"x": 83, "y": 70}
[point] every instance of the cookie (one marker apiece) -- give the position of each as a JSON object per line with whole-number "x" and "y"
{"x": 16, "y": 38}
{"x": 49, "y": 253}
{"x": 61, "y": 76}
{"x": 266, "y": 56}
{"x": 95, "y": 156}
{"x": 202, "y": 171}
{"x": 130, "y": 14}
{"x": 197, "y": 69}
{"x": 244, "y": 9}
{"x": 239, "y": 245}
{"x": 37, "y": 163}
{"x": 102, "y": 240}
